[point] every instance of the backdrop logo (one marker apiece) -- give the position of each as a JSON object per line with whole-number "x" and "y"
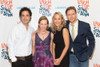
{"x": 83, "y": 7}
{"x": 6, "y": 7}
{"x": 31, "y": 7}
{"x": 45, "y": 6}
{"x": 4, "y": 53}
{"x": 96, "y": 28}
{"x": 96, "y": 65}
{"x": 18, "y": 22}
{"x": 61, "y": 7}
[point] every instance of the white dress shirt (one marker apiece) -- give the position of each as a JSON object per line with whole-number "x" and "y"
{"x": 75, "y": 30}
{"x": 20, "y": 42}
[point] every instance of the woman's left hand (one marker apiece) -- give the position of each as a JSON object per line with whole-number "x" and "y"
{"x": 57, "y": 61}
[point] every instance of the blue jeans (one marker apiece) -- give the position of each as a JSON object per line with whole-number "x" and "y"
{"x": 75, "y": 63}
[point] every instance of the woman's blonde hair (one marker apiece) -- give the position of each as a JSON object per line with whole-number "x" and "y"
{"x": 43, "y": 18}
{"x": 53, "y": 26}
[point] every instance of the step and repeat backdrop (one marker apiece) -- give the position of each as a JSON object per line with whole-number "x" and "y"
{"x": 87, "y": 10}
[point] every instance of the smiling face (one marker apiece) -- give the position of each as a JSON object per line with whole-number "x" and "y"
{"x": 43, "y": 25}
{"x": 71, "y": 16}
{"x": 25, "y": 17}
{"x": 57, "y": 20}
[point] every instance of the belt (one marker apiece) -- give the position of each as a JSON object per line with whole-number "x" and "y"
{"x": 24, "y": 58}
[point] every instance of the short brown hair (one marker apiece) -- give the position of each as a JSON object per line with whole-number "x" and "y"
{"x": 70, "y": 8}
{"x": 43, "y": 18}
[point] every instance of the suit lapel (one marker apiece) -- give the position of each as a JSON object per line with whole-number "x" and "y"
{"x": 69, "y": 30}
{"x": 79, "y": 30}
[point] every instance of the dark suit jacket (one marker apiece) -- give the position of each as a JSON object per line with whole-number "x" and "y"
{"x": 82, "y": 50}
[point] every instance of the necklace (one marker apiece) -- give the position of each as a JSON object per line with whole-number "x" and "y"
{"x": 43, "y": 35}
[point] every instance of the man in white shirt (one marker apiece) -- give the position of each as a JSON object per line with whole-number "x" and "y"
{"x": 80, "y": 32}
{"x": 20, "y": 43}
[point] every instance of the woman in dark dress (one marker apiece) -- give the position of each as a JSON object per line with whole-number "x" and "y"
{"x": 61, "y": 41}
{"x": 42, "y": 45}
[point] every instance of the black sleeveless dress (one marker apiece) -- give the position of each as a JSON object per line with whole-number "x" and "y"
{"x": 59, "y": 46}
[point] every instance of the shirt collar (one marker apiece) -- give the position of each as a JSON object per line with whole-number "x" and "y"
{"x": 23, "y": 26}
{"x": 75, "y": 24}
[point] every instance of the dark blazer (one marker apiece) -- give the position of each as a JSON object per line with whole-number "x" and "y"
{"x": 82, "y": 50}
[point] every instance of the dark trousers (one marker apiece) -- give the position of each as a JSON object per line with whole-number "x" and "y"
{"x": 23, "y": 63}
